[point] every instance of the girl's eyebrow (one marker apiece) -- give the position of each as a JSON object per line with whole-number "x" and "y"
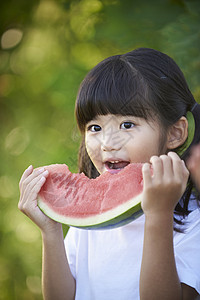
{"x": 91, "y": 121}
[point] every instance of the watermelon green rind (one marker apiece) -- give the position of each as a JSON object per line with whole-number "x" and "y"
{"x": 122, "y": 213}
{"x": 117, "y": 222}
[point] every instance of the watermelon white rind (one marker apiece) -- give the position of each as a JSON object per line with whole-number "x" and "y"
{"x": 109, "y": 201}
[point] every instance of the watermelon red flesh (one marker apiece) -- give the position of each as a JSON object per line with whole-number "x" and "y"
{"x": 109, "y": 200}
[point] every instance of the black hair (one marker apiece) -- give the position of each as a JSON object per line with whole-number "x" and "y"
{"x": 144, "y": 83}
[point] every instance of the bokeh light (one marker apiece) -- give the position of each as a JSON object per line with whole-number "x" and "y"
{"x": 11, "y": 38}
{"x": 16, "y": 141}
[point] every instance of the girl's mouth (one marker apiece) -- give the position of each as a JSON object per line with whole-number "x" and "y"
{"x": 115, "y": 166}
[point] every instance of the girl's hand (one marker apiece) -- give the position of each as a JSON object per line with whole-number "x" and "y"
{"x": 30, "y": 185}
{"x": 163, "y": 188}
{"x": 193, "y": 165}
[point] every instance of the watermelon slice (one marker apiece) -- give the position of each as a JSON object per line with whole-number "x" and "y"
{"x": 107, "y": 201}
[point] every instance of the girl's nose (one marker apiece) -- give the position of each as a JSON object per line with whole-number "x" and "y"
{"x": 108, "y": 147}
{"x": 111, "y": 142}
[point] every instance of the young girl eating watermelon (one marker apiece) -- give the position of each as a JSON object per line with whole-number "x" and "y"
{"x": 134, "y": 107}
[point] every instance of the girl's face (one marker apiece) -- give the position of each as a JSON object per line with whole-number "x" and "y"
{"x": 113, "y": 141}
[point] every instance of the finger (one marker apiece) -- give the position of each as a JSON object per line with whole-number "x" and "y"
{"x": 31, "y": 191}
{"x": 29, "y": 200}
{"x": 37, "y": 180}
{"x": 26, "y": 192}
{"x": 37, "y": 187}
{"x": 26, "y": 173}
{"x": 168, "y": 171}
{"x": 146, "y": 172}
{"x": 36, "y": 173}
{"x": 173, "y": 155}
{"x": 176, "y": 161}
{"x": 157, "y": 166}
{"x": 179, "y": 167}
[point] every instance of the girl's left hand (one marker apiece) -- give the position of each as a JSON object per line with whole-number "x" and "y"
{"x": 165, "y": 181}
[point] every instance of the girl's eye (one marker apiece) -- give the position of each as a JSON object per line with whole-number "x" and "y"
{"x": 127, "y": 125}
{"x": 94, "y": 128}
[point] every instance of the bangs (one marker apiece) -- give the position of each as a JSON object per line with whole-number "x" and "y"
{"x": 114, "y": 86}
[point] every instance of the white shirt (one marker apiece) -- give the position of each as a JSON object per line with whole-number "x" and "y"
{"x": 106, "y": 263}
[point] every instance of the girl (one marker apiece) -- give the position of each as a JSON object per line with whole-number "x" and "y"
{"x": 130, "y": 108}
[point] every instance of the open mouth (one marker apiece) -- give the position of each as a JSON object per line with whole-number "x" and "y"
{"x": 116, "y": 166}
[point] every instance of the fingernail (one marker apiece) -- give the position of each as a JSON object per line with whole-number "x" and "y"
{"x": 30, "y": 167}
{"x": 41, "y": 170}
{"x": 46, "y": 172}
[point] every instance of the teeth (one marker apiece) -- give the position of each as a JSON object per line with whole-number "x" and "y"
{"x": 114, "y": 161}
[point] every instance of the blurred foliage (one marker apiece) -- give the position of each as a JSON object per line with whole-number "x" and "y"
{"x": 47, "y": 46}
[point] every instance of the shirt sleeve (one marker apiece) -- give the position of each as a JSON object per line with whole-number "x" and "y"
{"x": 187, "y": 251}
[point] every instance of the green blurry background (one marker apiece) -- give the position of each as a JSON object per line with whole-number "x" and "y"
{"x": 47, "y": 47}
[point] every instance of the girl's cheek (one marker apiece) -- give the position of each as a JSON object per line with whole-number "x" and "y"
{"x": 91, "y": 147}
{"x": 93, "y": 141}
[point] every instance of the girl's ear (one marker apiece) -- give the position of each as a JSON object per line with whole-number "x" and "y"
{"x": 177, "y": 133}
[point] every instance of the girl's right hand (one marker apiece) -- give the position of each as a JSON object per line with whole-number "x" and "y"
{"x": 30, "y": 185}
